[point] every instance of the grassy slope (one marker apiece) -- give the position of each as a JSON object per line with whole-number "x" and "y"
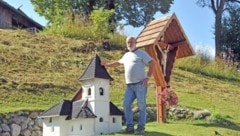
{"x": 37, "y": 71}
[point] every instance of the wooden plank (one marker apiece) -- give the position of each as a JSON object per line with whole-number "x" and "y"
{"x": 161, "y": 107}
{"x": 151, "y": 31}
{"x": 158, "y": 21}
{"x": 157, "y": 73}
{"x": 179, "y": 43}
{"x": 182, "y": 52}
{"x": 145, "y": 38}
{"x": 155, "y": 26}
{"x": 145, "y": 43}
{"x": 160, "y": 82}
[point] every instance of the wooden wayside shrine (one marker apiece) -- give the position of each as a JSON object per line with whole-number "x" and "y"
{"x": 165, "y": 41}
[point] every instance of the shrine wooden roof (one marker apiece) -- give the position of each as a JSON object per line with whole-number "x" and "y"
{"x": 166, "y": 30}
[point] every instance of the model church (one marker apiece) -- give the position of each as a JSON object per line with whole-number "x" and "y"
{"x": 90, "y": 112}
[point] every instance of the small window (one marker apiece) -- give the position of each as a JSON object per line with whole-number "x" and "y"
{"x": 113, "y": 120}
{"x": 50, "y": 120}
{"x": 101, "y": 91}
{"x": 80, "y": 128}
{"x": 101, "y": 119}
{"x": 72, "y": 129}
{"x": 52, "y": 129}
{"x": 89, "y": 91}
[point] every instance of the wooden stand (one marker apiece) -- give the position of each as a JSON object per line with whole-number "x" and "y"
{"x": 164, "y": 40}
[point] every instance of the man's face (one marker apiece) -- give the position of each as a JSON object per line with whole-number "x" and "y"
{"x": 131, "y": 44}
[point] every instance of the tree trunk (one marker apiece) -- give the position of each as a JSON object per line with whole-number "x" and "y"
{"x": 218, "y": 10}
{"x": 218, "y": 29}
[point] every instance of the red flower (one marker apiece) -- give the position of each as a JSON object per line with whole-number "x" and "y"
{"x": 168, "y": 97}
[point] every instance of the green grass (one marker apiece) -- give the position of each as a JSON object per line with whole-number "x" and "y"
{"x": 38, "y": 70}
{"x": 186, "y": 128}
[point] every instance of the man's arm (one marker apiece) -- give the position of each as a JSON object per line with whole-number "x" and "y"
{"x": 149, "y": 73}
{"x": 151, "y": 68}
{"x": 113, "y": 64}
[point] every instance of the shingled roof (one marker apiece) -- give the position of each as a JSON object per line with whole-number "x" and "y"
{"x": 114, "y": 110}
{"x": 83, "y": 112}
{"x": 60, "y": 109}
{"x": 76, "y": 109}
{"x": 167, "y": 30}
{"x": 95, "y": 69}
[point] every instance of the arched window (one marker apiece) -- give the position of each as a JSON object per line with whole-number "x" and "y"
{"x": 89, "y": 91}
{"x": 101, "y": 91}
{"x": 100, "y": 119}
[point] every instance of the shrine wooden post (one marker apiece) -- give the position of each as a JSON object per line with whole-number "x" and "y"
{"x": 164, "y": 40}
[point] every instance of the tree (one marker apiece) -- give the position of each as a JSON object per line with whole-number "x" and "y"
{"x": 231, "y": 33}
{"x": 218, "y": 7}
{"x": 140, "y": 12}
{"x": 134, "y": 12}
{"x": 52, "y": 10}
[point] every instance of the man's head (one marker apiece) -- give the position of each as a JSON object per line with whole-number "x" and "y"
{"x": 131, "y": 43}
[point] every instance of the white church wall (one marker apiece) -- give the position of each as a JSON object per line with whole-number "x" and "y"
{"x": 88, "y": 89}
{"x": 101, "y": 125}
{"x": 115, "y": 124}
{"x": 101, "y": 87}
{"x": 100, "y": 108}
{"x": 81, "y": 127}
{"x": 54, "y": 126}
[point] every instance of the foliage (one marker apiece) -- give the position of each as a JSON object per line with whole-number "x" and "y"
{"x": 134, "y": 12}
{"x": 80, "y": 29}
{"x": 231, "y": 31}
{"x": 52, "y": 10}
{"x": 100, "y": 22}
{"x": 139, "y": 12}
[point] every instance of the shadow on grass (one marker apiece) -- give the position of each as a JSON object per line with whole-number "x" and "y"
{"x": 223, "y": 123}
{"x": 147, "y": 133}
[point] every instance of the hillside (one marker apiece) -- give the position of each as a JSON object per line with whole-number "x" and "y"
{"x": 37, "y": 71}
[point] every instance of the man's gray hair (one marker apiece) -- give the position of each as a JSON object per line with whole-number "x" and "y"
{"x": 130, "y": 37}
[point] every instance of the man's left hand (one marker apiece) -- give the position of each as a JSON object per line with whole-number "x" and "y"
{"x": 145, "y": 81}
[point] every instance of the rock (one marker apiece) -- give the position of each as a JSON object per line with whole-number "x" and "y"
{"x": 35, "y": 127}
{"x": 15, "y": 130}
{"x": 39, "y": 133}
{"x": 22, "y": 118}
{"x": 31, "y": 122}
{"x": 39, "y": 122}
{"x": 15, "y": 120}
{"x": 135, "y": 109}
{"x": 20, "y": 113}
{"x": 36, "y": 133}
{"x": 5, "y": 134}
{"x": 201, "y": 114}
{"x": 33, "y": 115}
{"x": 5, "y": 128}
{"x": 26, "y": 132}
{"x": 4, "y": 121}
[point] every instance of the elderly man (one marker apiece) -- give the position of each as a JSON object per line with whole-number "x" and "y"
{"x": 134, "y": 62}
